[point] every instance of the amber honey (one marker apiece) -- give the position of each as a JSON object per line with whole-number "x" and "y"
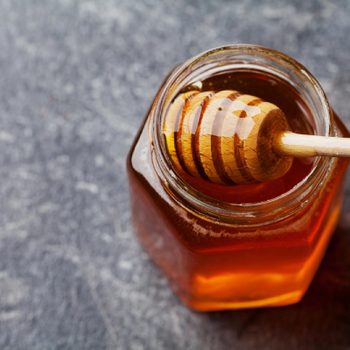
{"x": 238, "y": 246}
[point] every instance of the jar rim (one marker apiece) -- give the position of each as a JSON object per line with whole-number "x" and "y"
{"x": 241, "y": 214}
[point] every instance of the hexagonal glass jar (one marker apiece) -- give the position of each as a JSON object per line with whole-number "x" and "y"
{"x": 221, "y": 255}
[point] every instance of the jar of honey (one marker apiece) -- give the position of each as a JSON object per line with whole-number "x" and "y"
{"x": 226, "y": 245}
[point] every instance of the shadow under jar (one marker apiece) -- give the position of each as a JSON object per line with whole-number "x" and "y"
{"x": 238, "y": 246}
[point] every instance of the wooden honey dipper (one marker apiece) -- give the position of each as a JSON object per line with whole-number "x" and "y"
{"x": 228, "y": 138}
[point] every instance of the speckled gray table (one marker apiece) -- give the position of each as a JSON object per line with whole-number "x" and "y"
{"x": 76, "y": 78}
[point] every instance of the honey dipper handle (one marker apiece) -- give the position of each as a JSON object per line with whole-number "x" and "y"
{"x": 300, "y": 145}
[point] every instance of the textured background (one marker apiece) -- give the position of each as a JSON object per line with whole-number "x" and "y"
{"x": 76, "y": 78}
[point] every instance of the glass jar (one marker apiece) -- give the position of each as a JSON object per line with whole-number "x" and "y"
{"x": 223, "y": 255}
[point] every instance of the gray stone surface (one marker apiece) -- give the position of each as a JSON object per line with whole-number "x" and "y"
{"x": 76, "y": 78}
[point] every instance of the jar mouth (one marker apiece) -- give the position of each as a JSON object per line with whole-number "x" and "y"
{"x": 231, "y": 58}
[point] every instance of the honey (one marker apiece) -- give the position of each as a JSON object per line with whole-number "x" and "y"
{"x": 236, "y": 246}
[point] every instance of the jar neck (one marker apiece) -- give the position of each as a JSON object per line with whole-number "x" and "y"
{"x": 229, "y": 59}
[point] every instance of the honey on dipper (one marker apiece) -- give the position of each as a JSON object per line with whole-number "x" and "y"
{"x": 227, "y": 195}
